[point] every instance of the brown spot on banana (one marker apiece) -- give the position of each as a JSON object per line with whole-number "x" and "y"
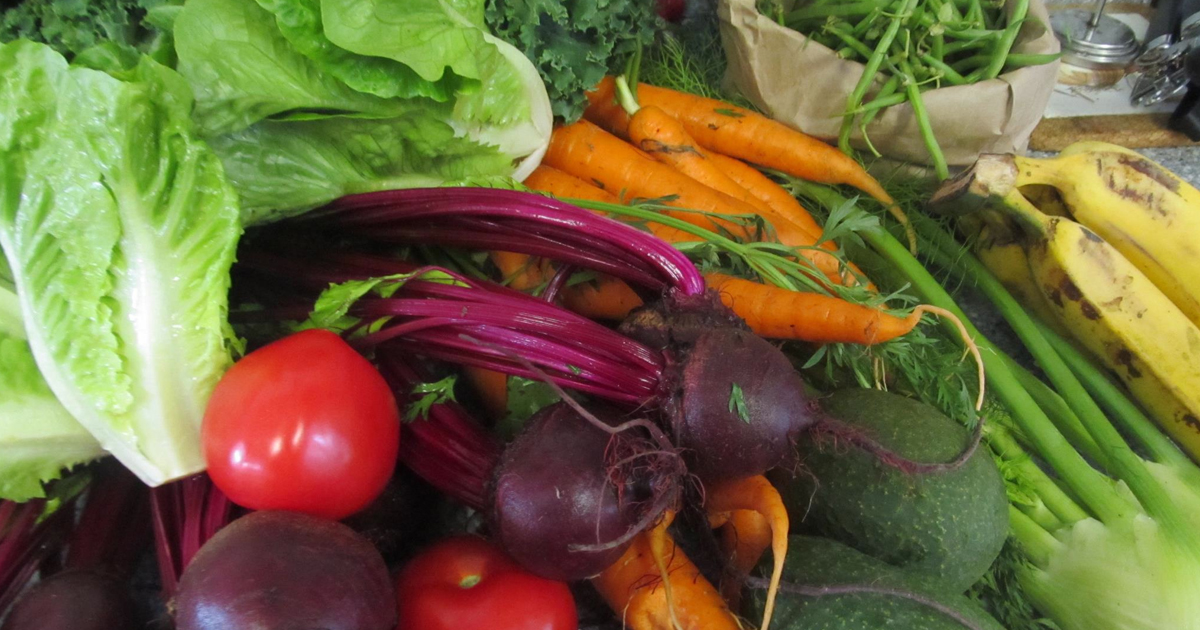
{"x": 1069, "y": 289}
{"x": 1114, "y": 304}
{"x": 1125, "y": 359}
{"x": 1191, "y": 421}
{"x": 1089, "y": 310}
{"x": 1151, "y": 170}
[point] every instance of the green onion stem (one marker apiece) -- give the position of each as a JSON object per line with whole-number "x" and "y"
{"x": 1120, "y": 459}
{"x": 1062, "y": 506}
{"x": 1109, "y": 394}
{"x": 1039, "y": 544}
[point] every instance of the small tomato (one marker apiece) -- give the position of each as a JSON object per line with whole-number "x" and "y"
{"x": 304, "y": 424}
{"x": 466, "y": 582}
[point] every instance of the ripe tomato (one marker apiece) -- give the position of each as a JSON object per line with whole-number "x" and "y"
{"x": 466, "y": 582}
{"x": 303, "y": 424}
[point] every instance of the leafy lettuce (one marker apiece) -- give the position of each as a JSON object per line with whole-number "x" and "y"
{"x": 119, "y": 229}
{"x": 38, "y": 437}
{"x": 309, "y": 100}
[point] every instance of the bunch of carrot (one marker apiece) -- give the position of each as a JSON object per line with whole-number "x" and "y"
{"x": 696, "y": 153}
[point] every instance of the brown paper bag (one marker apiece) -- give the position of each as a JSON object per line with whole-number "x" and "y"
{"x": 805, "y": 85}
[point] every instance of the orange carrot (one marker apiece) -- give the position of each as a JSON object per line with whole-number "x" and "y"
{"x": 663, "y": 138}
{"x": 744, "y": 538}
{"x": 738, "y": 132}
{"x": 770, "y": 193}
{"x": 603, "y": 298}
{"x": 492, "y": 388}
{"x": 546, "y": 178}
{"x": 741, "y": 133}
{"x": 655, "y": 586}
{"x": 753, "y": 494}
{"x": 778, "y": 313}
{"x": 592, "y": 154}
{"x": 520, "y": 271}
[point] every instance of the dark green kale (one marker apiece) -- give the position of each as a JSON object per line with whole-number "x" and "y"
{"x": 574, "y": 43}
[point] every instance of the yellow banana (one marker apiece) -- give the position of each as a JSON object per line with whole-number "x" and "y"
{"x": 1113, "y": 309}
{"x": 1110, "y": 307}
{"x": 1147, "y": 213}
{"x": 996, "y": 244}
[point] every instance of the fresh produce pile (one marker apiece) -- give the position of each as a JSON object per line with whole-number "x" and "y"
{"x": 372, "y": 344}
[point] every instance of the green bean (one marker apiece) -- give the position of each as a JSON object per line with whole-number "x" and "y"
{"x": 869, "y": 71}
{"x": 866, "y": 23}
{"x": 1000, "y": 54}
{"x": 847, "y": 9}
{"x": 954, "y": 48}
{"x": 950, "y": 74}
{"x": 849, "y": 39}
{"x": 889, "y": 88}
{"x": 918, "y": 105}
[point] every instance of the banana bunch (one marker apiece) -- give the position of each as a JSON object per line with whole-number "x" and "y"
{"x": 1104, "y": 244}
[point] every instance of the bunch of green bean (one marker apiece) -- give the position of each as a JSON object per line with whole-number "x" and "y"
{"x": 919, "y": 45}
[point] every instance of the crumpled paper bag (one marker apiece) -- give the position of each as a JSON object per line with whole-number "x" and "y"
{"x": 805, "y": 85}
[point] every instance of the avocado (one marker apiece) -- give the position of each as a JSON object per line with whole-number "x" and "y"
{"x": 946, "y": 525}
{"x": 864, "y": 594}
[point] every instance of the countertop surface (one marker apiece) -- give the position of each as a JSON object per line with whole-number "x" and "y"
{"x": 1183, "y": 161}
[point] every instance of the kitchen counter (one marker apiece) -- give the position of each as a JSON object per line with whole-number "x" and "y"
{"x": 1183, "y": 161}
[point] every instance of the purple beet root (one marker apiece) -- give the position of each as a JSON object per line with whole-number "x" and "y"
{"x": 279, "y": 570}
{"x": 740, "y": 406}
{"x": 74, "y": 600}
{"x": 678, "y": 320}
{"x": 558, "y": 486}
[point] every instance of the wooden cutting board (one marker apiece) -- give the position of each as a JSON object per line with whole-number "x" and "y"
{"x": 1136, "y": 131}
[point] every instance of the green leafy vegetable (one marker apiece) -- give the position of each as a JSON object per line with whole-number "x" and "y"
{"x": 426, "y": 395}
{"x": 301, "y": 23}
{"x": 38, "y": 437}
{"x": 73, "y": 26}
{"x": 311, "y": 100}
{"x": 119, "y": 229}
{"x": 574, "y": 43}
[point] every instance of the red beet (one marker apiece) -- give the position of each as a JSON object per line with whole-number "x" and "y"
{"x": 739, "y": 407}
{"x": 74, "y": 600}
{"x": 559, "y": 486}
{"x": 286, "y": 571}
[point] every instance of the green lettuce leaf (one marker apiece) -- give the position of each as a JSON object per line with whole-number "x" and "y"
{"x": 120, "y": 229}
{"x": 285, "y": 168}
{"x": 39, "y": 439}
{"x": 434, "y": 37}
{"x": 300, "y": 21}
{"x": 243, "y": 70}
{"x": 274, "y": 103}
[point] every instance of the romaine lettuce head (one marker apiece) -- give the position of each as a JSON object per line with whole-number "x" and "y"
{"x": 39, "y": 439}
{"x": 119, "y": 229}
{"x": 310, "y": 100}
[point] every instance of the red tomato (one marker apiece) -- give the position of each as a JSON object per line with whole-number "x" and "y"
{"x": 466, "y": 582}
{"x": 304, "y": 424}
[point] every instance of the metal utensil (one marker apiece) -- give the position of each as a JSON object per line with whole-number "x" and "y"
{"x": 1173, "y": 33}
{"x": 1091, "y": 39}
